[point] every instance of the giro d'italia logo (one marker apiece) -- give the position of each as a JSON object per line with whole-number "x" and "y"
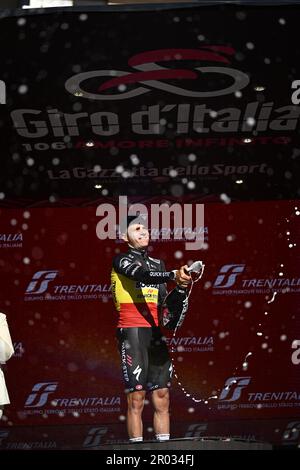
{"x": 146, "y": 73}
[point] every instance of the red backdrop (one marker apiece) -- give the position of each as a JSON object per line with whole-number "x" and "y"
{"x": 66, "y": 369}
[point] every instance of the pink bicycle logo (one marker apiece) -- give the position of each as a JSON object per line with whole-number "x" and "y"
{"x": 149, "y": 75}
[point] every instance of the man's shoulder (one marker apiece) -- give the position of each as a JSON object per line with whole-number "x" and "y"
{"x": 121, "y": 258}
{"x": 157, "y": 263}
{"x": 155, "y": 260}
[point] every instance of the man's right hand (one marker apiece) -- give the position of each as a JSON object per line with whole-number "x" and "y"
{"x": 182, "y": 278}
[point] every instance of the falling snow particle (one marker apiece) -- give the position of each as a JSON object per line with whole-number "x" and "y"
{"x": 250, "y": 121}
{"x": 223, "y": 334}
{"x": 134, "y": 159}
{"x": 173, "y": 173}
{"x": 83, "y": 17}
{"x": 23, "y": 89}
{"x": 225, "y": 198}
{"x": 21, "y": 21}
{"x": 191, "y": 185}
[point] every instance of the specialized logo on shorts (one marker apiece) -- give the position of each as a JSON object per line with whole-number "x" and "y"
{"x": 137, "y": 371}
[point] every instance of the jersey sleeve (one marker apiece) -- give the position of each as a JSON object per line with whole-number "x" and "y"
{"x": 133, "y": 270}
{"x": 162, "y": 291}
{"x": 174, "y": 309}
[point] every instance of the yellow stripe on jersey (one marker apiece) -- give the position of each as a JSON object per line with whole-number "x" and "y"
{"x": 126, "y": 291}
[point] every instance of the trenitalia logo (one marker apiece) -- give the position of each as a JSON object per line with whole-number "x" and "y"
{"x": 233, "y": 388}
{"x": 40, "y": 281}
{"x": 3, "y": 435}
{"x": 41, "y": 393}
{"x": 150, "y": 75}
{"x": 38, "y": 289}
{"x": 291, "y": 434}
{"x": 94, "y": 437}
{"x": 228, "y": 274}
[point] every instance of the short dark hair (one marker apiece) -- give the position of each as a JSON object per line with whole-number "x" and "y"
{"x": 130, "y": 219}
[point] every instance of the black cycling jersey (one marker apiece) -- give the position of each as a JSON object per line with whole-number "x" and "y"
{"x": 140, "y": 294}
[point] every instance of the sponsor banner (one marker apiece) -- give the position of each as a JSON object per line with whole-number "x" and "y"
{"x": 11, "y": 240}
{"x": 73, "y": 367}
{"x": 282, "y": 433}
{"x": 43, "y": 401}
{"x": 38, "y": 289}
{"x": 231, "y": 281}
{"x": 190, "y": 343}
{"x": 147, "y": 108}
